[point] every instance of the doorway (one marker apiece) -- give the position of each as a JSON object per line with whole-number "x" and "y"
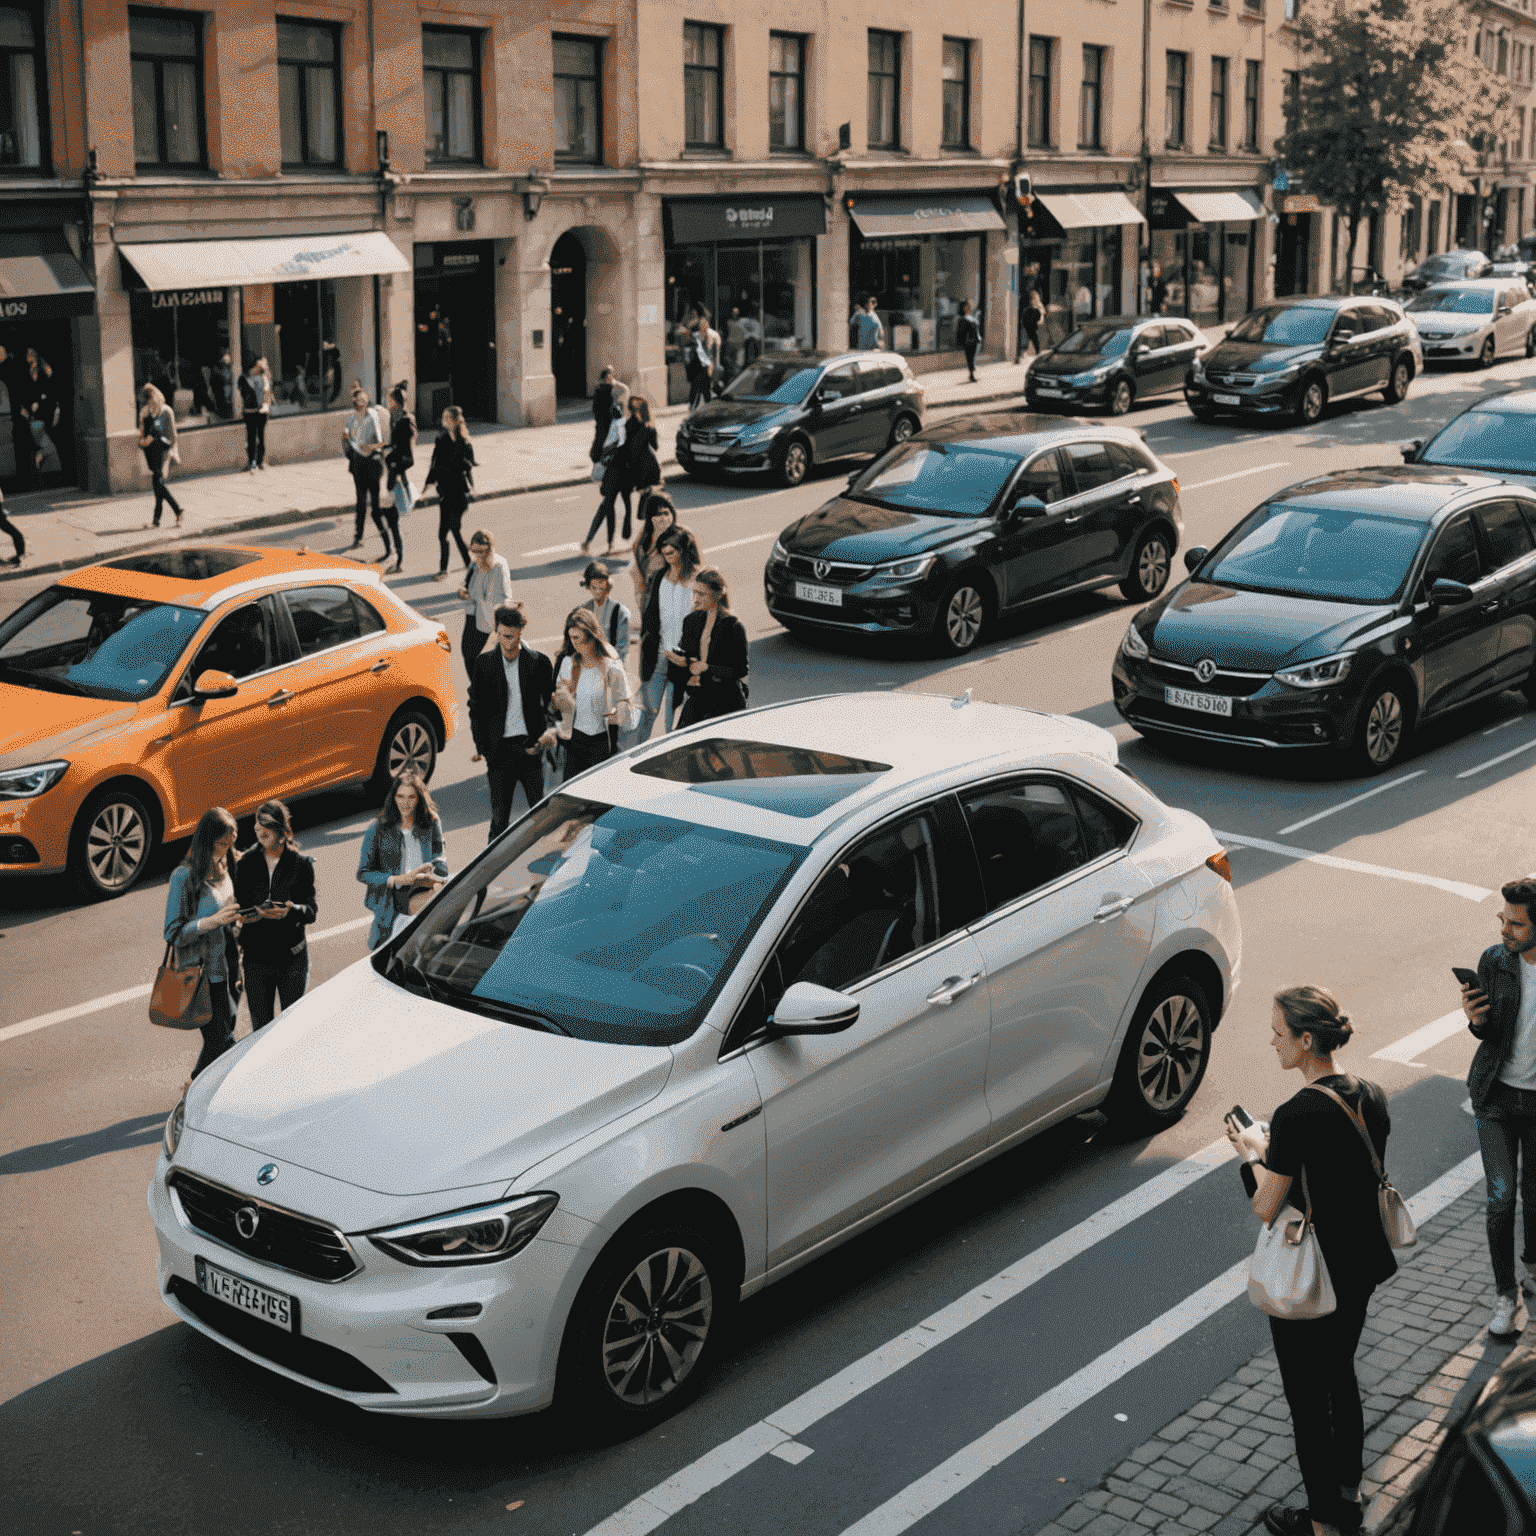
{"x": 1293, "y": 255}
{"x": 455, "y": 330}
{"x": 568, "y": 316}
{"x": 37, "y": 429}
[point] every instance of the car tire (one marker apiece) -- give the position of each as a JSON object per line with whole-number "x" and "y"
{"x": 792, "y": 462}
{"x": 1150, "y": 567}
{"x": 1164, "y": 1056}
{"x": 621, "y": 1319}
{"x": 1530, "y": 342}
{"x": 1202, "y": 415}
{"x": 1121, "y": 397}
{"x": 901, "y": 429}
{"x": 409, "y": 742}
{"x": 111, "y": 843}
{"x": 961, "y": 616}
{"x": 1489, "y": 354}
{"x": 1310, "y": 402}
{"x": 1382, "y": 731}
{"x": 1397, "y": 386}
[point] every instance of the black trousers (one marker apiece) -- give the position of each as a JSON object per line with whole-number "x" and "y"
{"x": 472, "y": 641}
{"x": 7, "y": 526}
{"x": 367, "y": 474}
{"x": 255, "y": 437}
{"x": 970, "y": 358}
{"x": 1032, "y": 331}
{"x": 155, "y": 456}
{"x": 582, "y": 751}
{"x": 606, "y": 509}
{"x": 219, "y": 1032}
{"x": 449, "y": 516}
{"x": 512, "y": 764}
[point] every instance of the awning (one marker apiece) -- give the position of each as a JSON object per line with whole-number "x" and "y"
{"x": 288, "y": 259}
{"x": 926, "y": 213}
{"x": 41, "y": 280}
{"x": 697, "y": 221}
{"x": 1220, "y": 207}
{"x": 1090, "y": 210}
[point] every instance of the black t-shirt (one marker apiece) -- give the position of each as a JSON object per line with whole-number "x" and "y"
{"x": 1311, "y": 1132}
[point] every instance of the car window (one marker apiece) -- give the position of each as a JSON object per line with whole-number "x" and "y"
{"x": 1348, "y": 324}
{"x": 877, "y": 375}
{"x": 1301, "y": 326}
{"x": 952, "y": 479}
{"x": 785, "y": 381}
{"x": 1091, "y": 466}
{"x": 1513, "y": 297}
{"x": 1106, "y": 826}
{"x": 368, "y": 620}
{"x": 1454, "y": 557}
{"x": 242, "y": 644}
{"x": 1125, "y": 459}
{"x": 1379, "y": 318}
{"x": 1043, "y": 477}
{"x": 1508, "y": 536}
{"x": 1026, "y": 834}
{"x": 841, "y": 382}
{"x": 1176, "y": 336}
{"x": 322, "y": 617}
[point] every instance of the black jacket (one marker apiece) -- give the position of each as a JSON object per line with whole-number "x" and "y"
{"x": 967, "y": 331}
{"x": 280, "y": 942}
{"x": 723, "y": 687}
{"x": 488, "y": 696}
{"x": 1498, "y": 974}
{"x": 634, "y": 464}
{"x": 400, "y": 455}
{"x": 452, "y": 468}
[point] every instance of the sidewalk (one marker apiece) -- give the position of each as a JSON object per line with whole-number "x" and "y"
{"x": 70, "y": 528}
{"x": 1424, "y": 1356}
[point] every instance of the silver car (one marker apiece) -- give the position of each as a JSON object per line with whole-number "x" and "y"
{"x": 1476, "y": 321}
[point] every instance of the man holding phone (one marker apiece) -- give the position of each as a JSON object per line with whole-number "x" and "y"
{"x": 1501, "y": 1013}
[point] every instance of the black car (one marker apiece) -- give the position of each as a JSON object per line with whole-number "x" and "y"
{"x": 1291, "y": 358}
{"x": 789, "y": 410}
{"x": 1447, "y": 267}
{"x": 973, "y": 518}
{"x": 1496, "y": 434}
{"x": 1111, "y": 363}
{"x": 1342, "y": 613}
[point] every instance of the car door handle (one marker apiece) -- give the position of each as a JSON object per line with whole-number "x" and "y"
{"x": 1133, "y": 501}
{"x": 1492, "y": 607}
{"x": 951, "y": 988}
{"x": 1113, "y": 909}
{"x": 280, "y": 697}
{"x": 383, "y": 664}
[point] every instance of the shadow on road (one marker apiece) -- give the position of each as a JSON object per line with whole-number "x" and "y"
{"x": 142, "y": 1131}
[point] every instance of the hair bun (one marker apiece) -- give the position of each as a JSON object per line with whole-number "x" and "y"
{"x": 1344, "y": 1027}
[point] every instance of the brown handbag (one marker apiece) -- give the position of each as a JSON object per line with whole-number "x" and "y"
{"x": 179, "y": 999}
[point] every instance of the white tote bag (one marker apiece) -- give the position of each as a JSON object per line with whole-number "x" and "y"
{"x": 1288, "y": 1276}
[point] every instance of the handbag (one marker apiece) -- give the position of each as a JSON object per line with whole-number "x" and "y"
{"x": 626, "y": 713}
{"x": 179, "y": 998}
{"x": 1288, "y": 1276}
{"x": 599, "y": 469}
{"x": 403, "y": 495}
{"x": 1396, "y": 1224}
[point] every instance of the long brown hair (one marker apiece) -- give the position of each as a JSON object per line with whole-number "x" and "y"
{"x": 657, "y": 501}
{"x": 688, "y": 546}
{"x": 641, "y": 407}
{"x": 211, "y": 826}
{"x": 389, "y": 813}
{"x": 154, "y": 403}
{"x": 708, "y": 576}
{"x": 460, "y": 428}
{"x": 276, "y": 811}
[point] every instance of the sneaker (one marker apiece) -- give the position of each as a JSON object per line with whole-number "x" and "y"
{"x": 438, "y": 575}
{"x": 1508, "y": 1315}
{"x": 250, "y": 469}
{"x": 1287, "y": 1520}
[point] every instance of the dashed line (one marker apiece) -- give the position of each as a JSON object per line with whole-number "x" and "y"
{"x": 1503, "y": 757}
{"x": 1344, "y": 805}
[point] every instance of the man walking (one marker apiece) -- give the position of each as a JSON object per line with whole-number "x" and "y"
{"x": 510, "y": 717}
{"x": 1501, "y": 1013}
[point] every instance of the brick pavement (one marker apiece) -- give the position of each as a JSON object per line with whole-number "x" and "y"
{"x": 1222, "y": 1462}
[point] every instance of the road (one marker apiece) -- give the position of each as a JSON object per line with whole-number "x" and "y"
{"x": 1064, "y": 1280}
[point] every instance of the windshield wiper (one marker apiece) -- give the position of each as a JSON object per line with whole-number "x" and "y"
{"x": 512, "y": 1012}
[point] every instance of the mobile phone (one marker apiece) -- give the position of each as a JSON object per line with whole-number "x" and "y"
{"x": 1466, "y": 977}
{"x": 1241, "y": 1115}
{"x": 249, "y": 912}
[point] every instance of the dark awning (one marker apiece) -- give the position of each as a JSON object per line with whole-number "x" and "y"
{"x": 926, "y": 213}
{"x": 41, "y": 280}
{"x": 701, "y": 220}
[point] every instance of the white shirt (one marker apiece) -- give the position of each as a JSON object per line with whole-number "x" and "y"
{"x": 590, "y": 699}
{"x": 415, "y": 849}
{"x": 488, "y": 589}
{"x": 1520, "y": 1067}
{"x": 514, "y": 724}
{"x": 676, "y": 602}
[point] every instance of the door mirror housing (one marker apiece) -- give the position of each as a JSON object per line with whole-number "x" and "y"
{"x": 1445, "y": 593}
{"x": 1029, "y": 505}
{"x": 1410, "y": 451}
{"x": 214, "y": 685}
{"x": 807, "y": 1009}
{"x": 853, "y": 474}
{"x": 1193, "y": 557}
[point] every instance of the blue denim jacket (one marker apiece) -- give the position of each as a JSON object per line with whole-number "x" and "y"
{"x": 183, "y": 907}
{"x": 379, "y": 859}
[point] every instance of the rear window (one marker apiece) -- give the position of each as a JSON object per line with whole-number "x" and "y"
{"x": 1453, "y": 301}
{"x": 720, "y": 759}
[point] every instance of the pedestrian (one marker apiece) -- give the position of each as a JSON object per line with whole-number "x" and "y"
{"x": 253, "y": 389}
{"x": 1031, "y": 315}
{"x": 487, "y": 585}
{"x": 363, "y": 444}
{"x": 607, "y": 403}
{"x": 968, "y": 334}
{"x": 1313, "y": 1136}
{"x": 868, "y": 332}
{"x": 7, "y": 526}
{"x": 452, "y": 470}
{"x": 1159, "y": 295}
{"x": 157, "y": 437}
{"x": 40, "y": 405}
{"x": 668, "y": 601}
{"x": 510, "y": 715}
{"x": 714, "y": 648}
{"x": 613, "y": 618}
{"x": 279, "y": 880}
{"x": 1501, "y": 1013}
{"x": 399, "y": 456}
{"x": 591, "y": 694}
{"x": 703, "y": 345}
{"x": 632, "y": 466}
{"x": 202, "y": 925}
{"x": 401, "y": 862}
{"x": 656, "y": 516}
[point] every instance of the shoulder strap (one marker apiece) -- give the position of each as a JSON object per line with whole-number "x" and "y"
{"x": 1358, "y": 1121}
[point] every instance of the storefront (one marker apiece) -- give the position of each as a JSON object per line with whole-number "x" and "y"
{"x": 1073, "y": 254}
{"x": 455, "y": 303}
{"x": 1296, "y": 243}
{"x": 1203, "y": 248}
{"x": 752, "y": 264}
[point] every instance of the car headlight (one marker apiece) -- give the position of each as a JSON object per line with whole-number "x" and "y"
{"x": 1093, "y": 376}
{"x": 24, "y": 783}
{"x": 904, "y": 570}
{"x": 482, "y": 1234}
{"x": 1323, "y": 673}
{"x": 1133, "y": 645}
{"x": 759, "y": 434}
{"x": 175, "y": 1124}
{"x": 778, "y": 555}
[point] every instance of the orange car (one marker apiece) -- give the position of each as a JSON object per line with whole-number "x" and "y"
{"x": 137, "y": 693}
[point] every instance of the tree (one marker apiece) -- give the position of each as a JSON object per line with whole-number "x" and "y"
{"x": 1390, "y": 100}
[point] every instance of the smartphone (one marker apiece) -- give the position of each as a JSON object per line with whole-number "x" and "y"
{"x": 249, "y": 912}
{"x": 1466, "y": 977}
{"x": 1241, "y": 1115}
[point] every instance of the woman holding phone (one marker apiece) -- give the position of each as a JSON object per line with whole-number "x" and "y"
{"x": 402, "y": 856}
{"x": 202, "y": 923}
{"x": 275, "y": 887}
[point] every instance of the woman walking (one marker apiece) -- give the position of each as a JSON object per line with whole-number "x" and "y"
{"x": 452, "y": 471}
{"x": 487, "y": 585}
{"x": 202, "y": 922}
{"x": 157, "y": 437}
{"x": 402, "y": 856}
{"x": 663, "y": 670}
{"x": 968, "y": 334}
{"x": 40, "y": 406}
{"x": 363, "y": 444}
{"x": 255, "y": 391}
{"x": 633, "y": 466}
{"x": 714, "y": 647}
{"x": 645, "y": 559}
{"x": 399, "y": 456}
{"x": 19, "y": 542}
{"x": 279, "y": 880}
{"x": 607, "y": 402}
{"x": 1031, "y": 315}
{"x": 591, "y": 691}
{"x": 1313, "y": 1137}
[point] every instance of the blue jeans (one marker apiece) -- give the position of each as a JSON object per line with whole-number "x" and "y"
{"x": 219, "y": 1032}
{"x": 266, "y": 985}
{"x": 1506, "y": 1136}
{"x": 652, "y": 692}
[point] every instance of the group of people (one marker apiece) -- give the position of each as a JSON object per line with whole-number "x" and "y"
{"x": 624, "y": 444}
{"x": 34, "y": 401}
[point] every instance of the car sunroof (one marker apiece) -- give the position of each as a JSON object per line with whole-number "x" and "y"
{"x": 794, "y": 781}
{"x": 184, "y": 564}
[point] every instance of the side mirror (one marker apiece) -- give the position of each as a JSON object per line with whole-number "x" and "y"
{"x": 1029, "y": 506}
{"x": 854, "y": 474}
{"x": 806, "y": 1009}
{"x": 215, "y": 685}
{"x": 1448, "y": 594}
{"x": 827, "y": 397}
{"x": 1410, "y": 451}
{"x": 1193, "y": 557}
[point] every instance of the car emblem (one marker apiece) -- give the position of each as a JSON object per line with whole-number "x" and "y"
{"x": 247, "y": 1219}
{"x": 821, "y": 567}
{"x": 269, "y": 1170}
{"x": 1205, "y": 670}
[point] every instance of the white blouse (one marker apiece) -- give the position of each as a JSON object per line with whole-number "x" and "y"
{"x": 591, "y": 703}
{"x": 675, "y": 605}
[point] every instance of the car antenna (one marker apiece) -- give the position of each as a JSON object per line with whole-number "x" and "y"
{"x": 962, "y": 701}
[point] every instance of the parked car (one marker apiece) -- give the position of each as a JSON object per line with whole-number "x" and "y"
{"x": 1447, "y": 266}
{"x": 1475, "y": 321}
{"x": 1292, "y": 357}
{"x": 790, "y": 410}
{"x": 1496, "y": 434}
{"x": 1342, "y": 613}
{"x": 708, "y": 1011}
{"x": 1516, "y": 267}
{"x": 974, "y": 518}
{"x": 137, "y": 693}
{"x": 1111, "y": 363}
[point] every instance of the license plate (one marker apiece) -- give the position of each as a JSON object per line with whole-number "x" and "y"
{"x": 246, "y": 1296}
{"x": 702, "y": 454}
{"x": 806, "y": 593}
{"x": 1227, "y": 399}
{"x": 1055, "y": 394}
{"x": 1202, "y": 703}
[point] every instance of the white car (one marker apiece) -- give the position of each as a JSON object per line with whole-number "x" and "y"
{"x": 712, "y": 1008}
{"x": 1478, "y": 321}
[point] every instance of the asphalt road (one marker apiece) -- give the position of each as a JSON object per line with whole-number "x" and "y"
{"x": 1098, "y": 1334}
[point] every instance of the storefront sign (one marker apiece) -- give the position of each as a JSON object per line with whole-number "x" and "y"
{"x": 186, "y": 298}
{"x": 257, "y": 304}
{"x": 697, "y": 221}
{"x": 462, "y": 259}
{"x": 1301, "y": 202}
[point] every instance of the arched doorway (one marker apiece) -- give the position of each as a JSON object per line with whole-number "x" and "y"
{"x": 568, "y": 315}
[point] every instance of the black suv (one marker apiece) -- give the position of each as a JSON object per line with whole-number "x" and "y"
{"x": 789, "y": 410}
{"x": 1293, "y": 357}
{"x": 1111, "y": 363}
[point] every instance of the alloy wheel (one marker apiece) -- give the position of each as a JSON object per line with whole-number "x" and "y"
{"x": 1311, "y": 402}
{"x": 1485, "y": 358}
{"x": 657, "y": 1327}
{"x": 1152, "y": 567}
{"x": 963, "y": 617}
{"x": 902, "y": 430}
{"x": 1120, "y": 399}
{"x": 795, "y": 464}
{"x": 116, "y": 845}
{"x": 1384, "y": 728}
{"x": 411, "y": 750}
{"x": 1169, "y": 1054}
{"x": 1402, "y": 376}
{"x": 1530, "y": 342}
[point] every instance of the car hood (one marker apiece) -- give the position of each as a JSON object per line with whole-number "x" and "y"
{"x": 36, "y": 725}
{"x": 1454, "y": 325}
{"x": 1254, "y": 631}
{"x": 1065, "y": 367}
{"x": 364, "y": 1082}
{"x": 856, "y": 531}
{"x": 722, "y": 415}
{"x": 1256, "y": 357}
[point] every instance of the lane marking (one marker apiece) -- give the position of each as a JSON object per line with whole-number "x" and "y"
{"x": 1288, "y": 851}
{"x": 920, "y": 1498}
{"x": 757, "y": 538}
{"x": 1258, "y": 469}
{"x": 1503, "y": 757}
{"x": 1500, "y": 726}
{"x": 1422, "y": 1040}
{"x": 552, "y": 549}
{"x": 1344, "y": 805}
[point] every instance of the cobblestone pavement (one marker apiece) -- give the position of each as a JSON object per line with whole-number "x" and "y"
{"x": 1423, "y": 1356}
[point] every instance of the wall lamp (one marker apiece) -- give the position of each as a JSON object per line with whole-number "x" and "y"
{"x": 534, "y": 193}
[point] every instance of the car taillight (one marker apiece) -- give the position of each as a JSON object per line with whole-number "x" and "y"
{"x": 1222, "y": 865}
{"x": 443, "y": 643}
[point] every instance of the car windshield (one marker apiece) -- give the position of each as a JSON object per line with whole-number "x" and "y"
{"x": 1454, "y": 301}
{"x": 1300, "y": 327}
{"x": 783, "y": 381}
{"x": 1325, "y": 552}
{"x": 955, "y": 479}
{"x": 1098, "y": 341}
{"x": 94, "y": 644}
{"x": 1449, "y": 263}
{"x": 595, "y": 921}
{"x": 1486, "y": 438}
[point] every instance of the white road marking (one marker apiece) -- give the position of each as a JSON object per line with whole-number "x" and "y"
{"x": 792, "y": 1452}
{"x": 1344, "y": 805}
{"x": 1258, "y": 469}
{"x": 757, "y": 538}
{"x": 1503, "y": 757}
{"x": 553, "y": 549}
{"x": 1287, "y": 851}
{"x": 920, "y": 1498}
{"x": 1422, "y": 1040}
{"x": 1500, "y": 726}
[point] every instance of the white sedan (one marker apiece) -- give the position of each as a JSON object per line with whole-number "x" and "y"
{"x": 712, "y": 1008}
{"x": 1476, "y": 321}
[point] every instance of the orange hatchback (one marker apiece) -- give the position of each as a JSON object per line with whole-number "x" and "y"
{"x": 137, "y": 693}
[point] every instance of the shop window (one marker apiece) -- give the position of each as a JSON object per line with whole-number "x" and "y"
{"x": 1173, "y": 100}
{"x": 786, "y": 91}
{"x": 703, "y": 86}
{"x": 308, "y": 94}
{"x": 1090, "y": 115}
{"x": 298, "y": 337}
{"x": 957, "y": 93}
{"x": 1040, "y": 92}
{"x": 884, "y": 90}
{"x": 1218, "y": 103}
{"x": 450, "y": 68}
{"x": 1251, "y": 104}
{"x": 181, "y": 345}
{"x": 22, "y": 118}
{"x": 578, "y": 100}
{"x": 919, "y": 283}
{"x": 166, "y": 52}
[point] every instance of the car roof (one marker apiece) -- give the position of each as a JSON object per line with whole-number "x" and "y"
{"x": 1488, "y": 284}
{"x": 1413, "y": 492}
{"x": 178, "y": 575}
{"x": 1516, "y": 402}
{"x": 1024, "y": 431}
{"x": 1321, "y": 301}
{"x": 817, "y": 359}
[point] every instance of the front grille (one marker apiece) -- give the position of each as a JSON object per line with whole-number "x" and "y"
{"x": 1300, "y": 731}
{"x": 282, "y": 1238}
{"x": 1232, "y": 380}
{"x": 708, "y": 439}
{"x": 839, "y": 572}
{"x": 1235, "y": 685}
